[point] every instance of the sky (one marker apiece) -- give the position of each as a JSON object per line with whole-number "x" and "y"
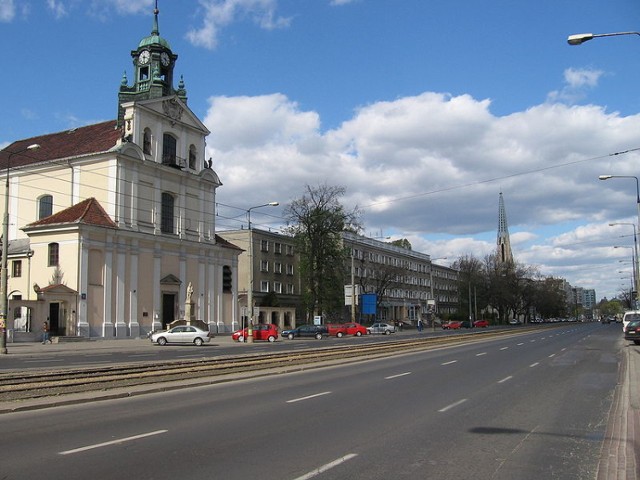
{"x": 424, "y": 111}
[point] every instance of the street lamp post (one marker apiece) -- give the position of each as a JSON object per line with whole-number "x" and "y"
{"x": 250, "y": 268}
{"x": 432, "y": 293}
{"x": 4, "y": 297}
{"x": 637, "y": 264}
{"x": 580, "y": 38}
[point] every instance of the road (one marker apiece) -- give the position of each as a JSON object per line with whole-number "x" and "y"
{"x": 528, "y": 407}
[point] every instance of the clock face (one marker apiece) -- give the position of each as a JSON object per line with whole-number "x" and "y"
{"x": 164, "y": 58}
{"x": 144, "y": 57}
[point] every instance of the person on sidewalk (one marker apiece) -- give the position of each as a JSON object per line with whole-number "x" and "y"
{"x": 45, "y": 333}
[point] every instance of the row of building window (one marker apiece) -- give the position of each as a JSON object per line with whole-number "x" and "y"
{"x": 277, "y": 267}
{"x": 277, "y": 247}
{"x": 277, "y": 287}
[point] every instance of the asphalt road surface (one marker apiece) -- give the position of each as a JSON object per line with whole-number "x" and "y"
{"x": 532, "y": 406}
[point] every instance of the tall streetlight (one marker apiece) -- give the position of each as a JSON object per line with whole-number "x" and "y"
{"x": 633, "y": 263}
{"x": 250, "y": 282}
{"x": 432, "y": 294}
{"x": 4, "y": 297}
{"x": 607, "y": 177}
{"x": 636, "y": 265}
{"x": 580, "y": 38}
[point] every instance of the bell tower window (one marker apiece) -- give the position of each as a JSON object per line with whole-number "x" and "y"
{"x": 146, "y": 142}
{"x": 168, "y": 205}
{"x": 169, "y": 149}
{"x": 192, "y": 157}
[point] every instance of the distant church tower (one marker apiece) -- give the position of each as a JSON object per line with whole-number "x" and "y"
{"x": 504, "y": 254}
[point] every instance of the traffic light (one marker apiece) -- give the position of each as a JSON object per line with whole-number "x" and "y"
{"x": 227, "y": 279}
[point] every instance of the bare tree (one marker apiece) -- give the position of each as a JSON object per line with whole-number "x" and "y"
{"x": 317, "y": 222}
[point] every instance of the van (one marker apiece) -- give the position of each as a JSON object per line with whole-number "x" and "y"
{"x": 628, "y": 316}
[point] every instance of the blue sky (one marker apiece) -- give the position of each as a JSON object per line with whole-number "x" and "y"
{"x": 423, "y": 110}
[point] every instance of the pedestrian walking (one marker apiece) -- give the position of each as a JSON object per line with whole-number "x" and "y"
{"x": 45, "y": 333}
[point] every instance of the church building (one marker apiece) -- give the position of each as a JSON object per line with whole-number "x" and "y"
{"x": 108, "y": 224}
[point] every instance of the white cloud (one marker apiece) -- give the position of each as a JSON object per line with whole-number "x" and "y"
{"x": 432, "y": 165}
{"x": 577, "y": 81}
{"x": 221, "y": 13}
{"x": 57, "y": 7}
{"x": 7, "y": 10}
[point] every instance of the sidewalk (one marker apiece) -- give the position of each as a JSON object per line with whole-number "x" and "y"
{"x": 119, "y": 345}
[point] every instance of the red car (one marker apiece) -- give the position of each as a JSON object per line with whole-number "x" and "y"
{"x": 481, "y": 323}
{"x": 454, "y": 325}
{"x": 262, "y": 331}
{"x": 336, "y": 330}
{"x": 355, "y": 329}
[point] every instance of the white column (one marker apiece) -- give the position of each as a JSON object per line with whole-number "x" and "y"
{"x": 107, "y": 322}
{"x": 157, "y": 293}
{"x": 83, "y": 327}
{"x": 134, "y": 326}
{"x": 121, "y": 325}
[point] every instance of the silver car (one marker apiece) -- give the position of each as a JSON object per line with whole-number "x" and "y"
{"x": 181, "y": 334}
{"x": 383, "y": 328}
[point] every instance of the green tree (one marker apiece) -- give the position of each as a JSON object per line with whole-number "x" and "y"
{"x": 402, "y": 243}
{"x": 317, "y": 220}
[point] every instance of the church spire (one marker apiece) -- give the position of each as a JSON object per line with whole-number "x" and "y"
{"x": 504, "y": 254}
{"x": 155, "y": 30}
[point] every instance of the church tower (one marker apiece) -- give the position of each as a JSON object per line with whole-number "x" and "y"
{"x": 153, "y": 63}
{"x": 504, "y": 254}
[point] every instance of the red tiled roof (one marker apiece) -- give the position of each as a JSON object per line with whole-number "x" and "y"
{"x": 96, "y": 138}
{"x": 88, "y": 212}
{"x": 224, "y": 243}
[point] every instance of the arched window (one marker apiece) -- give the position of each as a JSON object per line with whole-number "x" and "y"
{"x": 192, "y": 157}
{"x": 167, "y": 215}
{"x": 169, "y": 149}
{"x": 146, "y": 142}
{"x": 54, "y": 254}
{"x": 45, "y": 206}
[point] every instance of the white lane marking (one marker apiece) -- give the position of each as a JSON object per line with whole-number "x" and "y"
{"x": 480, "y": 354}
{"x": 519, "y": 344}
{"x": 505, "y": 379}
{"x": 113, "y": 442}
{"x": 398, "y": 375}
{"x": 552, "y": 355}
{"x": 504, "y": 348}
{"x": 534, "y": 364}
{"x": 308, "y": 397}
{"x": 449, "y": 363}
{"x": 45, "y": 360}
{"x": 449, "y": 407}
{"x": 326, "y": 467}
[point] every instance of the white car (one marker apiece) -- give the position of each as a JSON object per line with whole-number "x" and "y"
{"x": 628, "y": 316}
{"x": 181, "y": 334}
{"x": 383, "y": 328}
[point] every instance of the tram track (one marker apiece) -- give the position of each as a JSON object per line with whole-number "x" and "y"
{"x": 15, "y": 386}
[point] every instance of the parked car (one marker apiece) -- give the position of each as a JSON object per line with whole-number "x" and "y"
{"x": 316, "y": 331}
{"x": 632, "y": 331}
{"x": 452, "y": 325}
{"x": 481, "y": 323}
{"x": 628, "y": 316}
{"x": 336, "y": 330}
{"x": 355, "y": 329}
{"x": 182, "y": 334}
{"x": 383, "y": 328}
{"x": 262, "y": 331}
